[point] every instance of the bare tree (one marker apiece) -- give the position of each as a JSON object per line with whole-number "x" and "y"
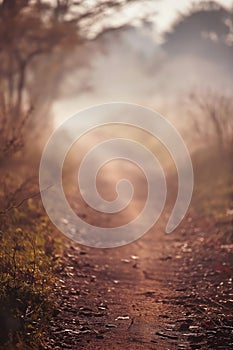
{"x": 212, "y": 118}
{"x": 37, "y": 39}
{"x": 29, "y": 29}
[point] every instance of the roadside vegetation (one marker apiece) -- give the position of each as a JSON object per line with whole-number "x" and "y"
{"x": 27, "y": 273}
{"x": 212, "y": 124}
{"x": 28, "y": 250}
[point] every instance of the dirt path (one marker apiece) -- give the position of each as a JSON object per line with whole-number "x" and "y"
{"x": 161, "y": 292}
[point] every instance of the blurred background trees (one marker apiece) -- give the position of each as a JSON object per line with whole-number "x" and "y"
{"x": 211, "y": 115}
{"x": 30, "y": 33}
{"x": 205, "y": 31}
{"x": 38, "y": 40}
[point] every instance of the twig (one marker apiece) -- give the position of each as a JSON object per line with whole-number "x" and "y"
{"x": 5, "y": 211}
{"x": 131, "y": 323}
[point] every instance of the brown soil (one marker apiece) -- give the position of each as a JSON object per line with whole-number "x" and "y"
{"x": 161, "y": 292}
{"x": 164, "y": 291}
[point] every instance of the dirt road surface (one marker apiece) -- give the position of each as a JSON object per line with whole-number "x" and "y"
{"x": 164, "y": 291}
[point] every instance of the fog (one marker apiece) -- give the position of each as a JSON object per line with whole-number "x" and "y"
{"x": 137, "y": 64}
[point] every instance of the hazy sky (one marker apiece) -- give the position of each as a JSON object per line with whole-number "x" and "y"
{"x": 123, "y": 75}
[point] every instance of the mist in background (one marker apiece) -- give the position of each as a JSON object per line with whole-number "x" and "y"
{"x": 157, "y": 64}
